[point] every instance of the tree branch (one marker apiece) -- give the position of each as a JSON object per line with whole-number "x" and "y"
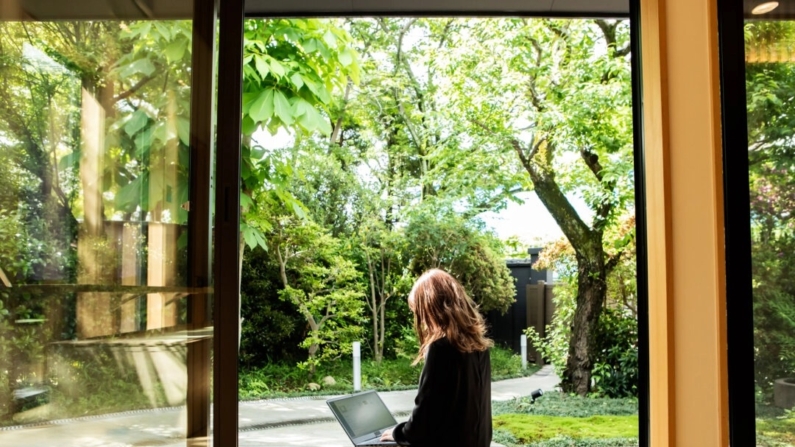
{"x": 132, "y": 90}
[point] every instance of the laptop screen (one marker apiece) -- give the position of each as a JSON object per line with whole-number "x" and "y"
{"x": 362, "y": 414}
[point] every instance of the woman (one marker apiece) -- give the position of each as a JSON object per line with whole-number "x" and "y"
{"x": 453, "y": 404}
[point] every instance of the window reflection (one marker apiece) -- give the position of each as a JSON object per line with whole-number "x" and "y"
{"x": 94, "y": 181}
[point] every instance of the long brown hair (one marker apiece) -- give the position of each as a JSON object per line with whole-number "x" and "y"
{"x": 442, "y": 309}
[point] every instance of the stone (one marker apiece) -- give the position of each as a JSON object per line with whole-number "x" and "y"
{"x": 313, "y": 386}
{"x": 329, "y": 381}
{"x": 784, "y": 393}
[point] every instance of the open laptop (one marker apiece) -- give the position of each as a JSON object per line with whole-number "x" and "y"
{"x": 364, "y": 417}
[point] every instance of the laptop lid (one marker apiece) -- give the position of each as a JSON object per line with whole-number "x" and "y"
{"x": 363, "y": 415}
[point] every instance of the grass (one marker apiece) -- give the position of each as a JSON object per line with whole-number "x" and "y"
{"x": 530, "y": 428}
{"x": 286, "y": 380}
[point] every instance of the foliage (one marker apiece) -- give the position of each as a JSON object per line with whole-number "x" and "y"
{"x": 291, "y": 69}
{"x": 555, "y": 94}
{"x": 614, "y": 351}
{"x": 564, "y": 441}
{"x": 466, "y": 252}
{"x": 90, "y": 380}
{"x": 528, "y": 429}
{"x": 272, "y": 328}
{"x": 616, "y": 370}
{"x": 278, "y": 379}
{"x": 561, "y": 404}
{"x": 322, "y": 284}
{"x": 776, "y": 432}
{"x": 771, "y": 127}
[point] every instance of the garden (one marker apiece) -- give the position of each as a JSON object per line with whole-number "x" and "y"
{"x": 373, "y": 150}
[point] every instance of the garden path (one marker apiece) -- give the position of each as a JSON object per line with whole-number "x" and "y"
{"x": 272, "y": 422}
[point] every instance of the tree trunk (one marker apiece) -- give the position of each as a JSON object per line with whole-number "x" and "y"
{"x": 374, "y": 309}
{"x": 591, "y": 292}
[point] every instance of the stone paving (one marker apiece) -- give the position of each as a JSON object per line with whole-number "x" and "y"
{"x": 286, "y": 422}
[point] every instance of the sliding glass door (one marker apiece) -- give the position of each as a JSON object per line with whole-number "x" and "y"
{"x": 105, "y": 241}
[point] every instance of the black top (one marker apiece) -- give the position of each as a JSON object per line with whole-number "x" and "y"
{"x": 453, "y": 404}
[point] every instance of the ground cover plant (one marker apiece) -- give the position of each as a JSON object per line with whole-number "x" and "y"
{"x": 284, "y": 380}
{"x": 558, "y": 419}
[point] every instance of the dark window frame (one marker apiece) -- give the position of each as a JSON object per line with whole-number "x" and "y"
{"x": 228, "y": 215}
{"x": 737, "y": 224}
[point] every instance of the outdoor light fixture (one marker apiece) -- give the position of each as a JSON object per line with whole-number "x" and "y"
{"x": 764, "y": 8}
{"x": 536, "y": 394}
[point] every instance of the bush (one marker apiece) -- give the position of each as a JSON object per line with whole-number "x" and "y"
{"x": 272, "y": 328}
{"x": 615, "y": 371}
{"x": 284, "y": 379}
{"x": 505, "y": 364}
{"x": 468, "y": 252}
{"x": 774, "y": 313}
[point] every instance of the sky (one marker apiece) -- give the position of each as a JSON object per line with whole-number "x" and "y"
{"x": 530, "y": 221}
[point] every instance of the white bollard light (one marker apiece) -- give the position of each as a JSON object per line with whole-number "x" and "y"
{"x": 523, "y": 341}
{"x": 357, "y": 366}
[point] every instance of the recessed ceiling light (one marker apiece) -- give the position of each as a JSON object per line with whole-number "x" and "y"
{"x": 764, "y": 8}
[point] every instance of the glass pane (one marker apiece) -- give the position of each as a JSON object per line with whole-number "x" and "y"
{"x": 378, "y": 148}
{"x": 770, "y": 81}
{"x": 95, "y": 308}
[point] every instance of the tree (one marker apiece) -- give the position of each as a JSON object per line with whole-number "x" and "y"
{"x": 384, "y": 253}
{"x": 557, "y": 94}
{"x": 771, "y": 127}
{"x": 467, "y": 252}
{"x": 321, "y": 283}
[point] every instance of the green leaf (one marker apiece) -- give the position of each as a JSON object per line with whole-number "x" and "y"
{"x": 282, "y": 108}
{"x": 248, "y": 100}
{"x": 262, "y": 108}
{"x": 248, "y": 236}
{"x": 277, "y": 68}
{"x": 143, "y": 66}
{"x": 163, "y": 30}
{"x": 346, "y": 57}
{"x": 330, "y": 39}
{"x": 297, "y": 81}
{"x": 176, "y": 50}
{"x": 245, "y": 201}
{"x": 248, "y": 125}
{"x": 136, "y": 122}
{"x": 183, "y": 130}
{"x": 71, "y": 160}
{"x": 262, "y": 67}
{"x": 323, "y": 125}
{"x": 261, "y": 240}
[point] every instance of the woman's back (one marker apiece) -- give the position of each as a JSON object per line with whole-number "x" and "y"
{"x": 453, "y": 404}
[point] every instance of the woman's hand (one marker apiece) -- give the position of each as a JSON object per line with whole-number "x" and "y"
{"x": 387, "y": 435}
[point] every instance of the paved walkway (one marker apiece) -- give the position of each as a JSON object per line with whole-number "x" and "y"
{"x": 287, "y": 422}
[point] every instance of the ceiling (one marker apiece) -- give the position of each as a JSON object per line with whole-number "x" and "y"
{"x": 173, "y": 9}
{"x": 785, "y": 10}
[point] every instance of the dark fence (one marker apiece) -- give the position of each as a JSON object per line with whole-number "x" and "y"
{"x": 533, "y": 306}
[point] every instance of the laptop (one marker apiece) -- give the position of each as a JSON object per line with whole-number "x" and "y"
{"x": 364, "y": 417}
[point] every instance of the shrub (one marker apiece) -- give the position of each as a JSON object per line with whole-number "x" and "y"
{"x": 468, "y": 252}
{"x": 615, "y": 371}
{"x": 272, "y": 328}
